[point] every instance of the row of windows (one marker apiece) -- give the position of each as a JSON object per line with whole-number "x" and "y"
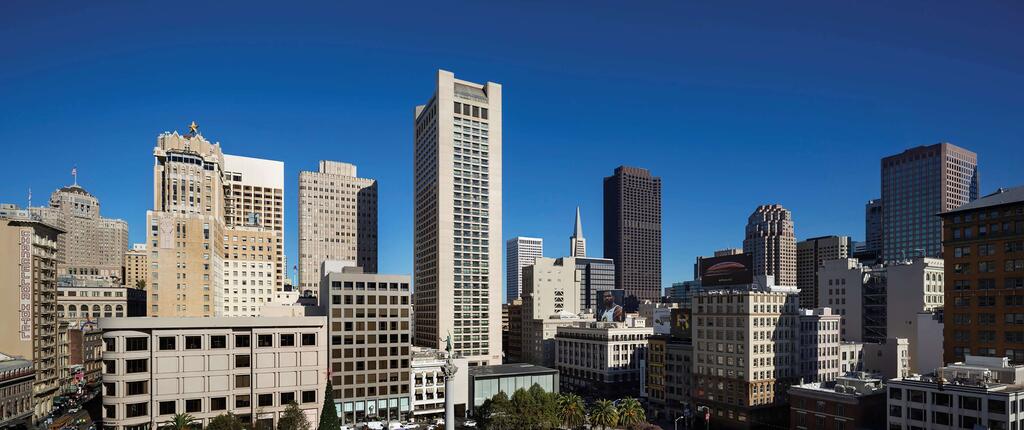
{"x": 170, "y": 343}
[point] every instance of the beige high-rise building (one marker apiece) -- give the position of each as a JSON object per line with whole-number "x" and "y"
{"x": 772, "y": 243}
{"x": 810, "y": 254}
{"x": 337, "y": 220}
{"x": 551, "y": 299}
{"x": 254, "y": 200}
{"x": 92, "y": 246}
{"x": 185, "y": 230}
{"x": 457, "y": 218}
{"x": 136, "y": 266}
{"x": 28, "y": 282}
{"x": 250, "y": 275}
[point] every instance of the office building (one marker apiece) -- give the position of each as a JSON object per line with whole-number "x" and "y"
{"x": 519, "y": 252}
{"x": 849, "y": 402}
{"x": 747, "y": 352}
{"x": 78, "y": 304}
{"x": 669, "y": 381}
{"x": 819, "y": 344}
{"x": 457, "y": 218}
{"x": 632, "y": 232}
{"x": 251, "y": 263}
{"x": 337, "y": 220}
{"x": 550, "y": 300}
{"x": 28, "y": 279}
{"x": 577, "y": 243}
{"x": 984, "y": 252}
{"x": 917, "y": 184}
{"x": 427, "y": 382}
{"x": 603, "y": 359}
{"x": 136, "y": 267}
{"x": 16, "y": 376}
{"x": 597, "y": 275}
{"x": 980, "y": 392}
{"x": 513, "y": 350}
{"x": 770, "y": 240}
{"x": 185, "y": 228}
{"x": 253, "y": 368}
{"x": 85, "y": 356}
{"x": 370, "y": 341}
{"x": 254, "y": 209}
{"x": 873, "y": 226}
{"x": 810, "y": 253}
{"x": 92, "y": 246}
{"x": 485, "y": 382}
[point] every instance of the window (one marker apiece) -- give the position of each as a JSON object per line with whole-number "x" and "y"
{"x": 996, "y": 406}
{"x": 167, "y": 408}
{"x": 242, "y": 361}
{"x": 915, "y": 396}
{"x": 287, "y": 398}
{"x": 241, "y": 341}
{"x": 218, "y": 403}
{"x": 109, "y": 343}
{"x": 241, "y": 381}
{"x": 135, "y": 388}
{"x": 109, "y": 389}
{"x": 895, "y": 411}
{"x": 264, "y": 340}
{"x": 193, "y": 405}
{"x": 309, "y": 396}
{"x": 942, "y": 418}
{"x": 265, "y": 400}
{"x": 135, "y": 344}
{"x": 286, "y": 340}
{"x": 896, "y": 393}
{"x": 167, "y": 343}
{"x": 308, "y": 339}
{"x": 242, "y": 401}
{"x": 970, "y": 403}
{"x": 135, "y": 366}
{"x": 218, "y": 342}
{"x": 193, "y": 342}
{"x": 136, "y": 409}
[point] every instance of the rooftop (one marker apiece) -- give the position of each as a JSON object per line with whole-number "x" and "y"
{"x": 514, "y": 369}
{"x": 1002, "y": 196}
{"x": 142, "y": 323}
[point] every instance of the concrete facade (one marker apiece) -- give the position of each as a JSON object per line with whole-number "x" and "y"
{"x": 632, "y": 232}
{"x": 770, "y": 239}
{"x": 810, "y": 254}
{"x": 850, "y": 402}
{"x": 603, "y": 359}
{"x": 16, "y": 376}
{"x": 136, "y": 267}
{"x": 519, "y": 252}
{"x": 251, "y": 270}
{"x": 254, "y": 205}
{"x": 79, "y": 304}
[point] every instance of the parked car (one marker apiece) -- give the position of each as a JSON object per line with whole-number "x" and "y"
{"x": 469, "y": 423}
{"x": 375, "y": 425}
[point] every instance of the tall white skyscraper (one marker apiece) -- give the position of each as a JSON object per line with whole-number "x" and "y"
{"x": 457, "y": 218}
{"x": 577, "y": 243}
{"x": 519, "y": 252}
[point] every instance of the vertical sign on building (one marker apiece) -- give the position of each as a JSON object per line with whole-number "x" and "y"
{"x": 25, "y": 328}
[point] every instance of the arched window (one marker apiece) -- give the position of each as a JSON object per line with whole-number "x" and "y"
{"x": 72, "y": 311}
{"x": 95, "y": 311}
{"x": 119, "y": 311}
{"x": 60, "y": 311}
{"x": 108, "y": 311}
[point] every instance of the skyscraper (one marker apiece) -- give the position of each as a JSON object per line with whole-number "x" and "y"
{"x": 337, "y": 220}
{"x": 810, "y": 254}
{"x": 917, "y": 184}
{"x": 873, "y": 226}
{"x": 254, "y": 203}
{"x": 577, "y": 243}
{"x": 92, "y": 246}
{"x": 457, "y": 218}
{"x": 771, "y": 242}
{"x": 519, "y": 252}
{"x": 632, "y": 232}
{"x": 185, "y": 229}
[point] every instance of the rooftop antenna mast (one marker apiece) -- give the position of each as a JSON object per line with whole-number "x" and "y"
{"x": 74, "y": 174}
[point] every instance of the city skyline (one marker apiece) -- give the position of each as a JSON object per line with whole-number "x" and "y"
{"x": 833, "y": 110}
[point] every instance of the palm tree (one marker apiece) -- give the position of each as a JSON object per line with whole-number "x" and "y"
{"x": 604, "y": 414}
{"x": 140, "y": 284}
{"x": 180, "y": 422}
{"x": 572, "y": 411}
{"x": 631, "y": 413}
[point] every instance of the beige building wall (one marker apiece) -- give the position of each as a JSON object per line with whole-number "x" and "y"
{"x": 185, "y": 229}
{"x": 28, "y": 279}
{"x": 254, "y": 198}
{"x": 810, "y": 254}
{"x": 136, "y": 266}
{"x": 93, "y": 247}
{"x": 250, "y": 367}
{"x": 250, "y": 275}
{"x": 337, "y": 220}
{"x": 457, "y": 190}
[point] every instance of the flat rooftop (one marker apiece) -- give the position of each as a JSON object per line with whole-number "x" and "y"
{"x": 141, "y": 323}
{"x": 513, "y": 369}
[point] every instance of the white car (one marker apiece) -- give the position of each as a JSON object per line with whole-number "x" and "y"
{"x": 375, "y": 425}
{"x": 469, "y": 423}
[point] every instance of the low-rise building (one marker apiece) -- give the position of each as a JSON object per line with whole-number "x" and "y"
{"x": 81, "y": 301}
{"x": 889, "y": 359}
{"x": 603, "y": 359}
{"x": 850, "y": 402}
{"x": 427, "y": 379}
{"x": 487, "y": 381}
{"x": 16, "y": 376}
{"x": 980, "y": 392}
{"x": 819, "y": 345}
{"x": 669, "y": 375}
{"x": 253, "y": 368}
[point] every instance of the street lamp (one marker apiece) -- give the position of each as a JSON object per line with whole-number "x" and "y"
{"x": 675, "y": 424}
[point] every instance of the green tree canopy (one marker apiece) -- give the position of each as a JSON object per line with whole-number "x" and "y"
{"x": 226, "y": 421}
{"x": 631, "y": 413}
{"x": 329, "y": 415}
{"x": 293, "y": 419}
{"x": 572, "y": 411}
{"x": 604, "y": 414}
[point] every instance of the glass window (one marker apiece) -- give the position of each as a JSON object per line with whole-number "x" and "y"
{"x": 167, "y": 343}
{"x": 193, "y": 342}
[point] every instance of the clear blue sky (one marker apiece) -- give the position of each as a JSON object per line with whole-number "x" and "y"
{"x": 733, "y": 107}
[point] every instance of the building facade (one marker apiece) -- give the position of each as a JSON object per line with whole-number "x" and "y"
{"x": 16, "y": 380}
{"x": 457, "y": 179}
{"x": 253, "y": 368}
{"x": 519, "y": 252}
{"x": 337, "y": 220}
{"x": 251, "y": 270}
{"x": 370, "y": 343}
{"x": 603, "y": 359}
{"x": 917, "y": 184}
{"x": 577, "y": 243}
{"x": 810, "y": 254}
{"x": 632, "y": 232}
{"x": 28, "y": 278}
{"x": 136, "y": 267}
{"x": 254, "y": 206}
{"x": 848, "y": 403}
{"x": 597, "y": 275}
{"x": 550, "y": 300}
{"x": 819, "y": 345}
{"x": 873, "y": 226}
{"x": 85, "y": 303}
{"x": 984, "y": 253}
{"x": 487, "y": 381}
{"x": 770, "y": 240}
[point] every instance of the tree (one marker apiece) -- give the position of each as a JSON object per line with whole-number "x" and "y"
{"x": 329, "y": 415}
{"x": 140, "y": 284}
{"x": 226, "y": 421}
{"x": 572, "y": 412}
{"x": 631, "y": 413}
{"x": 495, "y": 413}
{"x": 293, "y": 419}
{"x": 604, "y": 414}
{"x": 179, "y": 422}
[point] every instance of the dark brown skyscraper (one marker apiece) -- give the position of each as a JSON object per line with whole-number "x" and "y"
{"x": 632, "y": 232}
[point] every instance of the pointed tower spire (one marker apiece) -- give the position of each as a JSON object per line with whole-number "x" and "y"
{"x": 578, "y": 244}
